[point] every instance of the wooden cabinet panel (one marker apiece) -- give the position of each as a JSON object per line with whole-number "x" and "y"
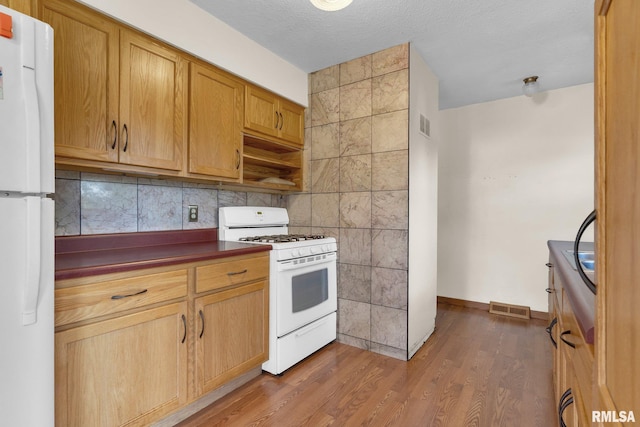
{"x": 232, "y": 334}
{"x": 119, "y": 96}
{"x": 86, "y": 67}
{"x": 271, "y": 115}
{"x": 292, "y": 117}
{"x": 125, "y": 102}
{"x": 152, "y": 107}
{"x": 158, "y": 345}
{"x": 28, "y": 7}
{"x": 215, "y": 123}
{"x": 233, "y": 272}
{"x": 617, "y": 204}
{"x": 84, "y": 302}
{"x": 122, "y": 372}
{"x": 573, "y": 358}
{"x": 273, "y": 142}
{"x": 261, "y": 111}
{"x": 580, "y": 356}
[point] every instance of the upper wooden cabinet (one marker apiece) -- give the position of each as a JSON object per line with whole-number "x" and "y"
{"x": 268, "y": 114}
{"x": 28, "y": 7}
{"x": 127, "y": 103}
{"x": 216, "y": 102}
{"x": 153, "y": 81}
{"x": 119, "y": 96}
{"x": 86, "y": 81}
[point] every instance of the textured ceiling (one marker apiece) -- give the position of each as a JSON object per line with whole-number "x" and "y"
{"x": 479, "y": 49}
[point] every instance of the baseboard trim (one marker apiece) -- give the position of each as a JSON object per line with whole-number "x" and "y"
{"x": 541, "y": 315}
{"x": 208, "y": 399}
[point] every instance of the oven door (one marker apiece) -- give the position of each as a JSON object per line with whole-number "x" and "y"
{"x": 306, "y": 290}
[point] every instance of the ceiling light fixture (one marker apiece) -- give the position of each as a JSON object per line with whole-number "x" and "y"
{"x": 331, "y": 5}
{"x": 530, "y": 86}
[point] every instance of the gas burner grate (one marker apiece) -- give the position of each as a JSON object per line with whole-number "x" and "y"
{"x": 282, "y": 238}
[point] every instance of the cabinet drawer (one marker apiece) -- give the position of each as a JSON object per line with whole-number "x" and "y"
{"x": 232, "y": 272}
{"x": 97, "y": 299}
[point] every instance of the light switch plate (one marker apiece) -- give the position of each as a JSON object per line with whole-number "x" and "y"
{"x": 193, "y": 213}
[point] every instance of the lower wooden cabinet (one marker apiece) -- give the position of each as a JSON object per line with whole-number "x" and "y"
{"x": 126, "y": 371}
{"x": 573, "y": 358}
{"x": 232, "y": 335}
{"x": 132, "y": 348}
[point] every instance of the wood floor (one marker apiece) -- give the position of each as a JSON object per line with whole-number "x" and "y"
{"x": 477, "y": 369}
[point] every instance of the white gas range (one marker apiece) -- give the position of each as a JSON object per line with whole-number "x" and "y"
{"x": 302, "y": 282}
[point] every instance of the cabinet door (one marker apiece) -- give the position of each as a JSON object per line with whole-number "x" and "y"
{"x": 231, "y": 334}
{"x": 127, "y": 371}
{"x": 261, "y": 111}
{"x": 567, "y": 406}
{"x": 617, "y": 203}
{"x": 215, "y": 123}
{"x": 86, "y": 81}
{"x": 23, "y": 6}
{"x": 553, "y": 329}
{"x": 152, "y": 105}
{"x": 292, "y": 122}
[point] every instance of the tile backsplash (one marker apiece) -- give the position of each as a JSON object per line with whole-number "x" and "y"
{"x": 89, "y": 203}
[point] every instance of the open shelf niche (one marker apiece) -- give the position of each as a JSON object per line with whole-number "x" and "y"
{"x": 271, "y": 165}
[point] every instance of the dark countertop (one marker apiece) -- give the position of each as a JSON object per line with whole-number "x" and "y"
{"x": 81, "y": 256}
{"x": 582, "y": 300}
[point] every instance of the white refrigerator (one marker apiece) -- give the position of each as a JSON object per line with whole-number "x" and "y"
{"x": 26, "y": 221}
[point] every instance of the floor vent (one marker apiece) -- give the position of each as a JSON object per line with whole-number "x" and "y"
{"x": 519, "y": 311}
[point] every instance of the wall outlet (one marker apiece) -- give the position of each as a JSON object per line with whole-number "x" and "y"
{"x": 193, "y": 213}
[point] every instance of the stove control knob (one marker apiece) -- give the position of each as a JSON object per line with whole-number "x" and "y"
{"x": 313, "y": 250}
{"x": 326, "y": 248}
{"x": 295, "y": 252}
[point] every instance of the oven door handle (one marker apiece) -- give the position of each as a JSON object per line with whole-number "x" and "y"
{"x": 290, "y": 265}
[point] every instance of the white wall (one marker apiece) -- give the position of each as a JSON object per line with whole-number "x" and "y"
{"x": 423, "y": 203}
{"x": 186, "y": 26}
{"x": 514, "y": 173}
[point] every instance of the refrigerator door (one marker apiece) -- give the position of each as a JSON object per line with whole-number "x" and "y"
{"x": 26, "y": 106}
{"x": 27, "y": 311}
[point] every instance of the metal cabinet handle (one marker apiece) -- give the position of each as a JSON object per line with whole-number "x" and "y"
{"x": 549, "y": 265}
{"x": 549, "y": 330}
{"x": 184, "y": 323}
{"x": 570, "y": 344}
{"x": 126, "y": 141}
{"x": 201, "y": 318}
{"x": 235, "y": 273}
{"x": 115, "y": 134}
{"x": 549, "y": 290}
{"x": 576, "y": 244}
{"x": 565, "y": 400}
{"x": 129, "y": 295}
{"x": 277, "y": 119}
{"x": 281, "y": 121}
{"x": 237, "y": 159}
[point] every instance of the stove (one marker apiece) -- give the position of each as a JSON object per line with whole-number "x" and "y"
{"x": 283, "y": 238}
{"x": 302, "y": 282}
